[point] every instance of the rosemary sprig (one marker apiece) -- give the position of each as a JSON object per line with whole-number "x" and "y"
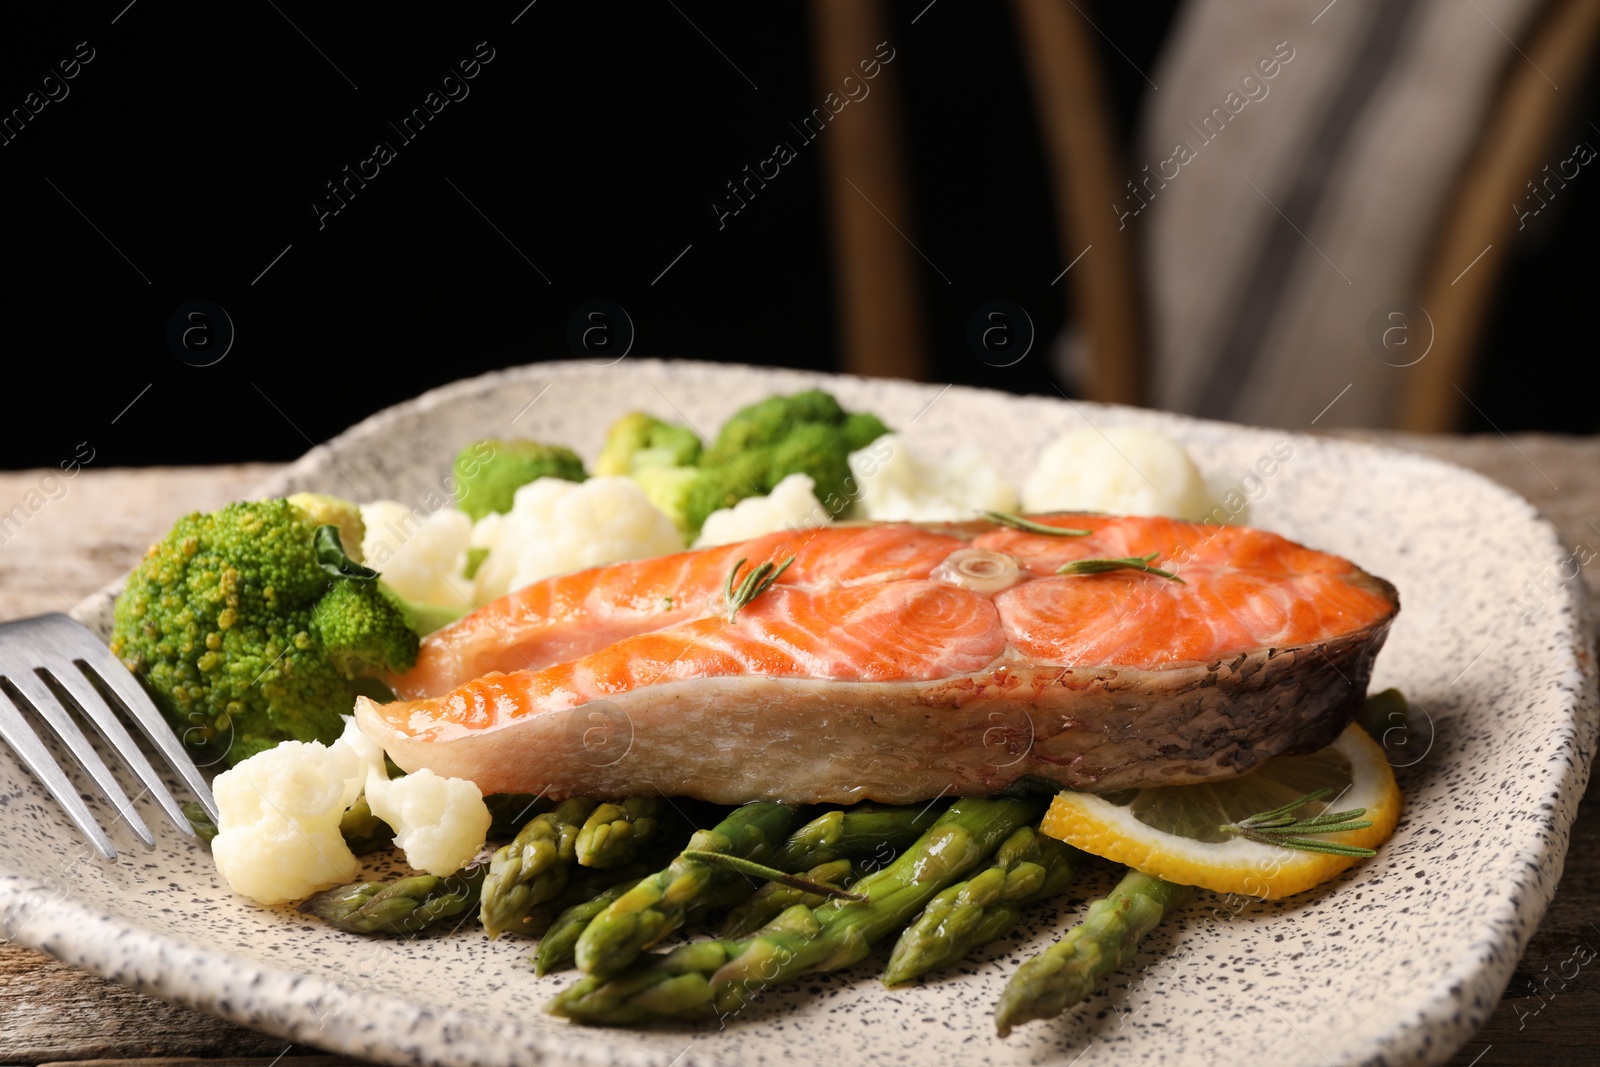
{"x": 771, "y": 874}
{"x": 1280, "y": 827}
{"x": 758, "y": 581}
{"x": 1017, "y": 522}
{"x": 1132, "y": 563}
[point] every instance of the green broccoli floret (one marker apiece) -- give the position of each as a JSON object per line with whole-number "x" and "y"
{"x": 488, "y": 473}
{"x": 716, "y": 488}
{"x": 637, "y": 441}
{"x": 861, "y": 428}
{"x": 668, "y": 488}
{"x": 224, "y": 622}
{"x": 663, "y": 457}
{"x": 687, "y": 495}
{"x": 359, "y": 613}
{"x": 345, "y": 517}
{"x": 806, "y": 433}
{"x": 768, "y": 421}
{"x": 363, "y": 629}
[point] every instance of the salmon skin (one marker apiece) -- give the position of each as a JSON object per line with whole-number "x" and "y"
{"x": 899, "y": 662}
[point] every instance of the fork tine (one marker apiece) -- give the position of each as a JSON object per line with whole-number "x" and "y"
{"x": 78, "y": 687}
{"x": 32, "y": 752}
{"x": 48, "y": 708}
{"x": 79, "y": 644}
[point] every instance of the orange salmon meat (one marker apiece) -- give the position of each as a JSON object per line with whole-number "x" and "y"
{"x": 898, "y": 662}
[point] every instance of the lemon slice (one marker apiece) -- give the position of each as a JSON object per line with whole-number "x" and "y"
{"x": 1179, "y": 832}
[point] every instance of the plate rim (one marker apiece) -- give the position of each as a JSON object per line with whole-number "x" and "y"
{"x": 1438, "y": 1019}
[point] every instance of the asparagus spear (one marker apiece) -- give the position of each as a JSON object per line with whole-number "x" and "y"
{"x": 824, "y": 847}
{"x": 585, "y": 885}
{"x": 559, "y": 945}
{"x": 614, "y": 833}
{"x": 199, "y": 820}
{"x": 404, "y": 906}
{"x": 1028, "y": 867}
{"x": 719, "y": 977}
{"x": 409, "y": 905}
{"x": 509, "y": 812}
{"x": 865, "y": 832}
{"x": 534, "y": 867}
{"x": 659, "y": 904}
{"x": 775, "y": 898}
{"x": 1067, "y": 972}
{"x": 969, "y": 830}
{"x": 363, "y": 831}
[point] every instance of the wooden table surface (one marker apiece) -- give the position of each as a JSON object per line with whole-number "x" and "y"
{"x": 98, "y": 526}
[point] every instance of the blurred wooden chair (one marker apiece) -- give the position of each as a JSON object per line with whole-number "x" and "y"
{"x": 881, "y": 330}
{"x": 1515, "y": 144}
{"x": 864, "y": 168}
{"x": 868, "y": 200}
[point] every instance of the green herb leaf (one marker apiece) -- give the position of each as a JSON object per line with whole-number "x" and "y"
{"x": 1129, "y": 563}
{"x": 331, "y": 556}
{"x": 758, "y": 581}
{"x": 1280, "y": 827}
{"x": 1017, "y": 522}
{"x": 771, "y": 874}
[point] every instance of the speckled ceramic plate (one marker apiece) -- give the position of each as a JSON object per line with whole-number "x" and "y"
{"x": 1397, "y": 961}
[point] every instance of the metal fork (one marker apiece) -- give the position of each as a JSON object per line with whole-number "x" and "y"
{"x": 48, "y": 655}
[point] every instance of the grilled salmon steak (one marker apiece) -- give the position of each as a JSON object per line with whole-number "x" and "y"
{"x": 899, "y": 662}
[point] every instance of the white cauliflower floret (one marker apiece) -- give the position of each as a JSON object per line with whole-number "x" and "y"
{"x": 278, "y": 821}
{"x": 790, "y": 506}
{"x": 1122, "y": 470}
{"x": 555, "y": 526}
{"x": 894, "y": 484}
{"x": 421, "y": 558}
{"x": 439, "y": 823}
{"x": 486, "y": 532}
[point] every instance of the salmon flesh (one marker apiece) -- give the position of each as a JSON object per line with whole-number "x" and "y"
{"x": 899, "y": 662}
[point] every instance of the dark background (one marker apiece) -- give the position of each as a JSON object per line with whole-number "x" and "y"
{"x": 594, "y": 143}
